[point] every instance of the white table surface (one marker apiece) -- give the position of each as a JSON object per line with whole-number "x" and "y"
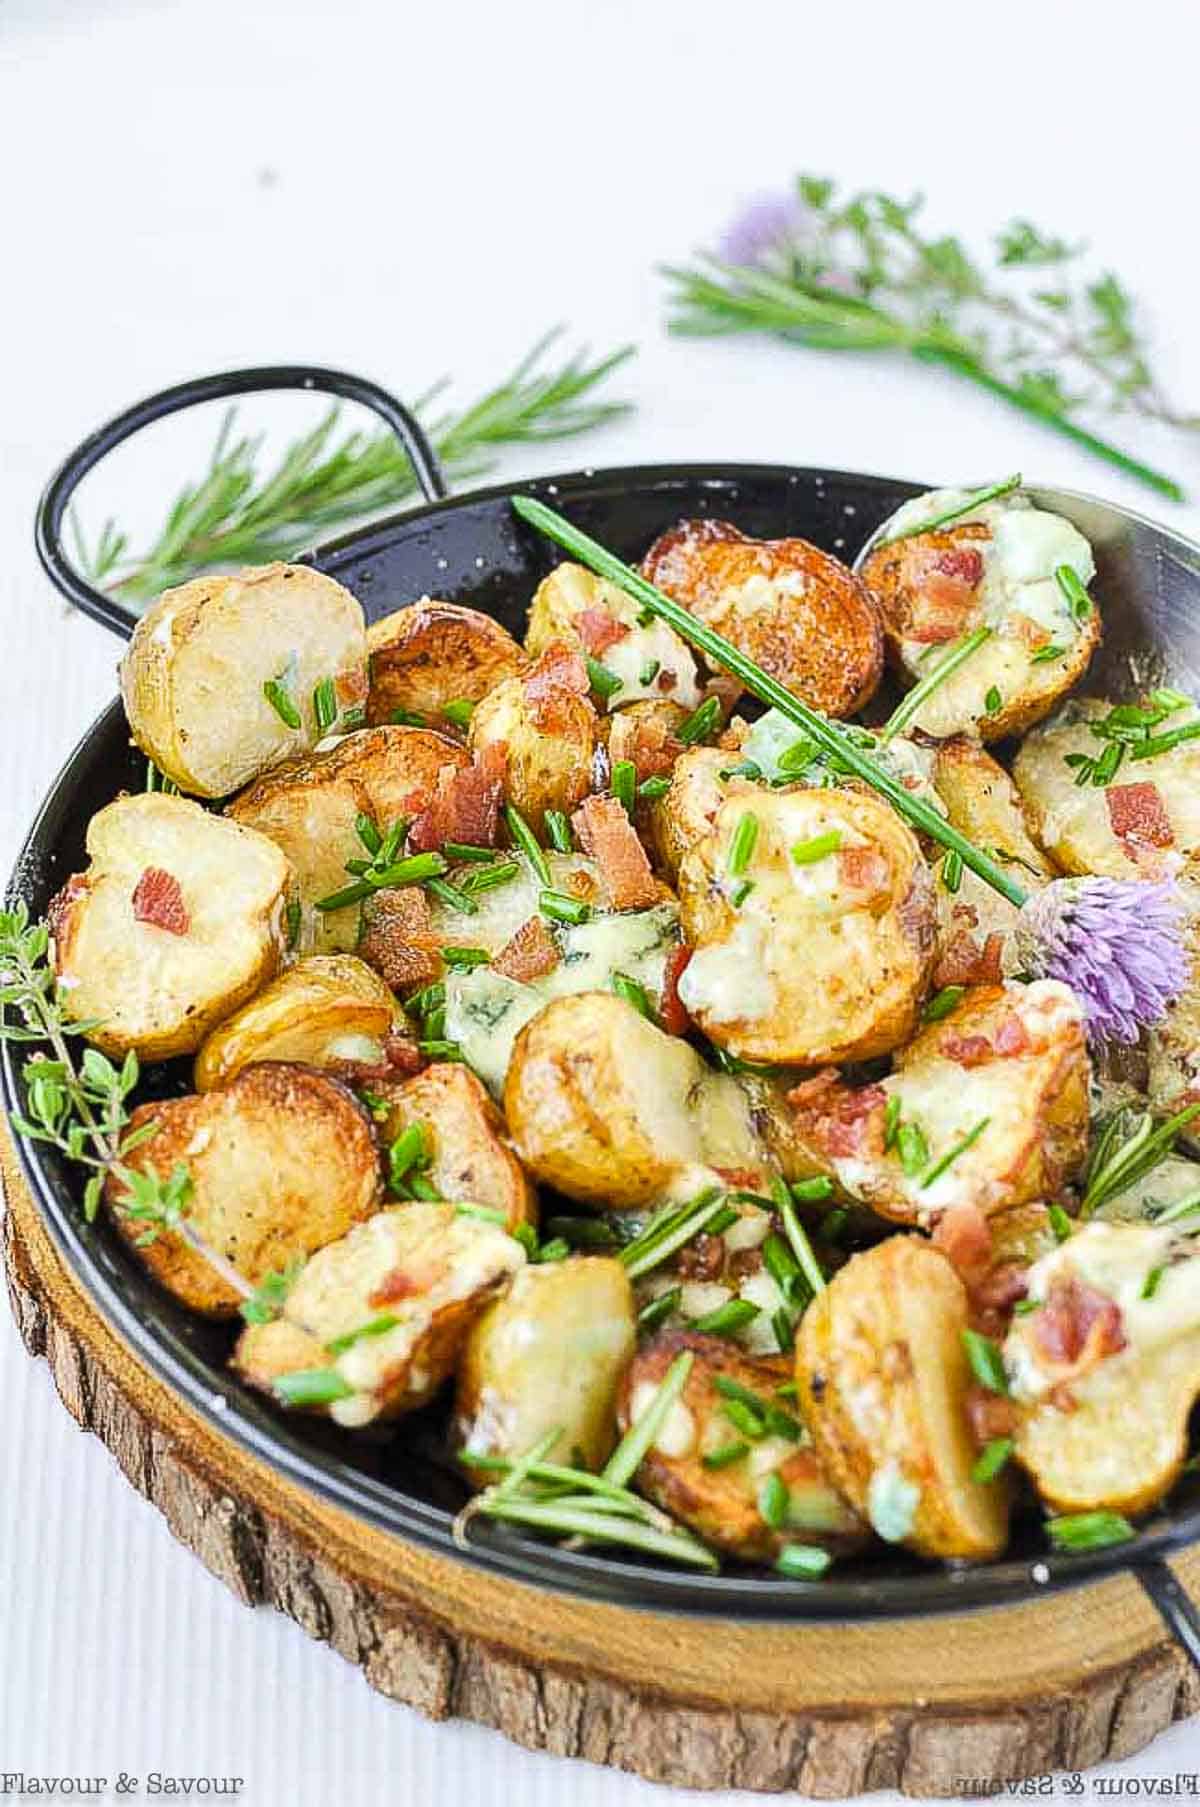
{"x": 409, "y": 190}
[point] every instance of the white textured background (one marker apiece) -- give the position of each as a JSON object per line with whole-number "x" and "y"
{"x": 410, "y": 190}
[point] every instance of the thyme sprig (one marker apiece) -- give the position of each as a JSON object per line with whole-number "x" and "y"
{"x": 240, "y": 513}
{"x": 859, "y": 272}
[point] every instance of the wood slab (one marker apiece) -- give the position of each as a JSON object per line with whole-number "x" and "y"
{"x": 927, "y": 1706}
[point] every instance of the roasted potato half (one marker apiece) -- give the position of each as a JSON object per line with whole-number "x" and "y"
{"x": 433, "y": 653}
{"x": 686, "y": 811}
{"x": 827, "y": 955}
{"x": 610, "y": 1110}
{"x": 983, "y": 802}
{"x": 206, "y": 658}
{"x": 281, "y": 1161}
{"x": 723, "y": 1501}
{"x": 539, "y": 735}
{"x": 799, "y": 612}
{"x": 572, "y": 607}
{"x": 883, "y": 1377}
{"x": 1145, "y": 823}
{"x": 547, "y": 1355}
{"x": 1106, "y": 1369}
{"x": 992, "y": 1109}
{"x": 1173, "y": 1045}
{"x": 382, "y": 1314}
{"x": 470, "y": 1161}
{"x": 327, "y": 1009}
{"x": 178, "y": 919}
{"x": 994, "y": 568}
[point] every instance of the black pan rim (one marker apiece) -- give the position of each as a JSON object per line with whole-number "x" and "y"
{"x": 724, "y": 1598}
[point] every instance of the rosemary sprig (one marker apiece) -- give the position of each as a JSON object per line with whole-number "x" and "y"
{"x": 859, "y": 274}
{"x": 237, "y": 513}
{"x": 1129, "y": 1148}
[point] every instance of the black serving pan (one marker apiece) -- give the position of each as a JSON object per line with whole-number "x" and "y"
{"x": 471, "y": 549}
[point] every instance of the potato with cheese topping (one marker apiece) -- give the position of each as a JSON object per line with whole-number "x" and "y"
{"x": 228, "y": 676}
{"x": 324, "y": 1011}
{"x": 994, "y": 566}
{"x": 814, "y": 945}
{"x": 685, "y": 812}
{"x": 643, "y": 657}
{"x": 466, "y": 1141}
{"x": 539, "y": 733}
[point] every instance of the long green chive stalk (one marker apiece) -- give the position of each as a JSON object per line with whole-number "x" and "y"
{"x": 720, "y": 651}
{"x": 916, "y": 698}
{"x": 968, "y": 505}
{"x": 669, "y": 1231}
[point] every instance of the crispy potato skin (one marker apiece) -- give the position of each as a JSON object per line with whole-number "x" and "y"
{"x": 432, "y": 653}
{"x": 192, "y": 680}
{"x": 611, "y": 1111}
{"x": 543, "y": 769}
{"x": 421, "y": 1264}
{"x": 812, "y": 967}
{"x": 983, "y": 801}
{"x": 548, "y": 1354}
{"x": 802, "y": 614}
{"x": 685, "y": 812}
{"x": 156, "y": 991}
{"x": 472, "y": 1162}
{"x": 722, "y": 1504}
{"x": 897, "y": 575}
{"x": 882, "y": 1376}
{"x": 282, "y": 1160}
{"x": 313, "y": 1013}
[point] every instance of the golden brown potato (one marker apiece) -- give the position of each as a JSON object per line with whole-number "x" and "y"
{"x": 382, "y": 1314}
{"x": 310, "y": 809}
{"x": 178, "y": 919}
{"x": 983, "y": 802}
{"x": 1145, "y": 823}
{"x": 282, "y": 1160}
{"x": 541, "y": 743}
{"x": 828, "y": 955}
{"x": 432, "y": 653}
{"x": 992, "y": 1112}
{"x": 723, "y": 1503}
{"x": 1105, "y": 1377}
{"x": 610, "y": 1110}
{"x": 883, "y": 1377}
{"x": 685, "y": 812}
{"x": 324, "y": 1010}
{"x": 470, "y": 1158}
{"x": 994, "y": 568}
{"x": 193, "y": 678}
{"x": 547, "y": 1356}
{"x": 799, "y": 612}
{"x": 574, "y": 608}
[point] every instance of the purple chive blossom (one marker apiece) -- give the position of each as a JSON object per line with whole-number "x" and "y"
{"x": 766, "y": 225}
{"x": 1115, "y": 942}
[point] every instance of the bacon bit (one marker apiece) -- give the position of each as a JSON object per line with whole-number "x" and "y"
{"x": 726, "y": 688}
{"x": 703, "y": 1259}
{"x": 963, "y": 962}
{"x": 740, "y": 1179}
{"x": 350, "y": 687}
{"x": 989, "y": 1414}
{"x": 965, "y": 1050}
{"x": 492, "y": 760}
{"x": 402, "y": 1055}
{"x": 1076, "y": 1328}
{"x": 864, "y": 869}
{"x": 810, "y": 1091}
{"x": 667, "y": 680}
{"x": 599, "y": 630}
{"x": 672, "y": 1012}
{"x": 531, "y": 953}
{"x": 465, "y": 808}
{"x": 937, "y": 588}
{"x": 1000, "y": 1289}
{"x": 558, "y": 675}
{"x": 1012, "y": 1037}
{"x": 965, "y": 1238}
{"x": 964, "y": 562}
{"x": 1139, "y": 817}
{"x": 399, "y": 942}
{"x": 607, "y": 835}
{"x": 645, "y": 740}
{"x": 158, "y": 899}
{"x": 394, "y": 1287}
{"x": 840, "y": 1120}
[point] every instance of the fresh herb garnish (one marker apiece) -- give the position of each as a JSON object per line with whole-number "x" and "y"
{"x": 986, "y": 1361}
{"x": 938, "y": 1167}
{"x": 311, "y": 1386}
{"x": 802, "y": 1561}
{"x": 561, "y": 908}
{"x": 623, "y": 782}
{"x": 558, "y": 831}
{"x": 992, "y": 1459}
{"x": 604, "y": 682}
{"x": 632, "y": 992}
{"x": 742, "y": 844}
{"x": 459, "y": 712}
{"x": 324, "y": 703}
{"x": 943, "y": 1002}
{"x": 1088, "y": 1530}
{"x": 915, "y": 700}
{"x": 278, "y": 695}
{"x": 668, "y": 1231}
{"x": 1129, "y": 1146}
{"x": 525, "y": 839}
{"x": 700, "y": 723}
{"x": 817, "y": 847}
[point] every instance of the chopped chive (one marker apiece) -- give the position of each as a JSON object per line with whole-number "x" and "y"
{"x": 807, "y": 853}
{"x": 1077, "y": 598}
{"x": 324, "y": 703}
{"x": 992, "y": 700}
{"x": 524, "y": 838}
{"x": 891, "y": 1121}
{"x": 807, "y": 1191}
{"x": 746, "y": 1418}
{"x": 455, "y": 897}
{"x": 430, "y": 997}
{"x": 1169, "y": 700}
{"x": 987, "y": 1363}
{"x": 1060, "y": 1223}
{"x": 1152, "y": 1282}
{"x": 558, "y": 831}
{"x": 943, "y": 1002}
{"x": 604, "y": 682}
{"x": 660, "y": 1309}
{"x": 968, "y": 505}
{"x": 741, "y": 892}
{"x": 406, "y": 718}
{"x": 466, "y": 853}
{"x": 368, "y": 834}
{"x": 742, "y": 844}
{"x": 1024, "y": 1307}
{"x": 699, "y": 723}
{"x": 311, "y": 1386}
{"x": 951, "y": 1155}
{"x": 1044, "y": 654}
{"x": 376, "y": 1327}
{"x": 626, "y": 1458}
{"x": 798, "y": 757}
{"x": 784, "y": 1329}
{"x": 418, "y": 868}
{"x": 583, "y": 1232}
{"x": 1105, "y": 768}
{"x": 577, "y": 1517}
{"x": 649, "y": 671}
{"x": 992, "y": 1458}
{"x": 727, "y": 1319}
{"x": 802, "y": 1248}
{"x": 459, "y": 711}
{"x": 912, "y": 1148}
{"x": 725, "y": 1456}
{"x": 833, "y": 1223}
{"x": 410, "y": 1149}
{"x": 292, "y": 913}
{"x": 773, "y": 1502}
{"x": 561, "y": 908}
{"x": 952, "y": 871}
{"x": 440, "y": 1050}
{"x": 632, "y": 992}
{"x": 651, "y": 788}
{"x": 669, "y": 1231}
{"x": 434, "y": 1024}
{"x": 358, "y": 868}
{"x": 281, "y": 703}
{"x": 482, "y": 1214}
{"x": 802, "y": 1561}
{"x": 341, "y": 900}
{"x": 487, "y": 878}
{"x": 557, "y": 1249}
{"x": 465, "y": 957}
{"x": 918, "y": 696}
{"x": 624, "y": 784}
{"x": 1162, "y": 743}
{"x": 1088, "y": 1530}
{"x": 780, "y": 1263}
